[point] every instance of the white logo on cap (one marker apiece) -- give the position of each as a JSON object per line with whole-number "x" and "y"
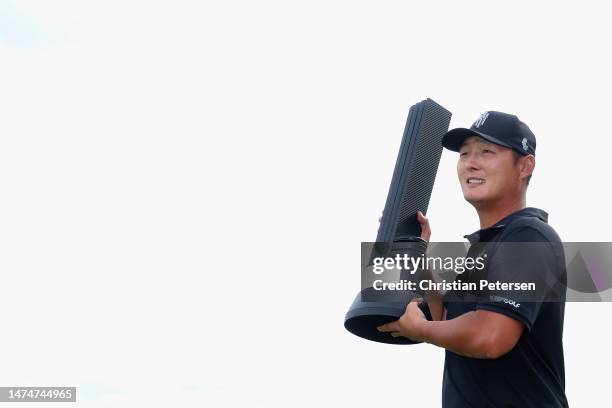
{"x": 525, "y": 147}
{"x": 481, "y": 120}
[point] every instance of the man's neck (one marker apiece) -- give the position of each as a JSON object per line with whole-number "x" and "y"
{"x": 490, "y": 214}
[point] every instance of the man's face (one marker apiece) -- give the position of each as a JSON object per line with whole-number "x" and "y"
{"x": 487, "y": 172}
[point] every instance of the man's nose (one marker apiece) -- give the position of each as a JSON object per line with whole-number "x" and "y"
{"x": 471, "y": 163}
{"x": 474, "y": 165}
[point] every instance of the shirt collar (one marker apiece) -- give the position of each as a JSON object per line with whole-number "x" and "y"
{"x": 525, "y": 212}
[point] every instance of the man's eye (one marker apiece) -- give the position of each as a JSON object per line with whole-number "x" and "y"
{"x": 463, "y": 154}
{"x": 487, "y": 151}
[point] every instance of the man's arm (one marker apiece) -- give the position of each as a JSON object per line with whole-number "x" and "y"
{"x": 434, "y": 300}
{"x": 476, "y": 334}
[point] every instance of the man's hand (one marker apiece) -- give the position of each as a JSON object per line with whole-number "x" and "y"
{"x": 425, "y": 228}
{"x": 409, "y": 325}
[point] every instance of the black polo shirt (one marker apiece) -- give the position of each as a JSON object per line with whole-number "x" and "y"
{"x": 532, "y": 374}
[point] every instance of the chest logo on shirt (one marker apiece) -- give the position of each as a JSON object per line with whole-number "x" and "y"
{"x": 482, "y": 254}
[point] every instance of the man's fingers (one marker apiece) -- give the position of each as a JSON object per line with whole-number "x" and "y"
{"x": 422, "y": 220}
{"x": 418, "y": 301}
{"x": 425, "y": 228}
{"x": 389, "y": 327}
{"x": 396, "y": 334}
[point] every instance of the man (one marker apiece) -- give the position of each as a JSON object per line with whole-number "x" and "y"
{"x": 499, "y": 353}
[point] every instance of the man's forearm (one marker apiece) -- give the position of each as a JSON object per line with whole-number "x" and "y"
{"x": 433, "y": 298}
{"x": 462, "y": 335}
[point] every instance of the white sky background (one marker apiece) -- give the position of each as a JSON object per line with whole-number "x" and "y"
{"x": 185, "y": 186}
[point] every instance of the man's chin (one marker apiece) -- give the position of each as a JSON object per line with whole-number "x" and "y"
{"x": 476, "y": 201}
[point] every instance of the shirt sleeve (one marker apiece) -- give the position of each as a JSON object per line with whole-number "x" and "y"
{"x": 525, "y": 257}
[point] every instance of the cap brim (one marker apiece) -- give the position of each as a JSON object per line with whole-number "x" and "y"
{"x": 453, "y": 139}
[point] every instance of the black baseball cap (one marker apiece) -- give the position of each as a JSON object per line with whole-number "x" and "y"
{"x": 496, "y": 127}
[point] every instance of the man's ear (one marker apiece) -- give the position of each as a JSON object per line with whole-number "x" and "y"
{"x": 527, "y": 166}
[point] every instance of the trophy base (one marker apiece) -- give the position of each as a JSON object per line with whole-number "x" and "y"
{"x": 363, "y": 318}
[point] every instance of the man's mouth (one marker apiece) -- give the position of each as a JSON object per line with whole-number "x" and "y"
{"x": 475, "y": 180}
